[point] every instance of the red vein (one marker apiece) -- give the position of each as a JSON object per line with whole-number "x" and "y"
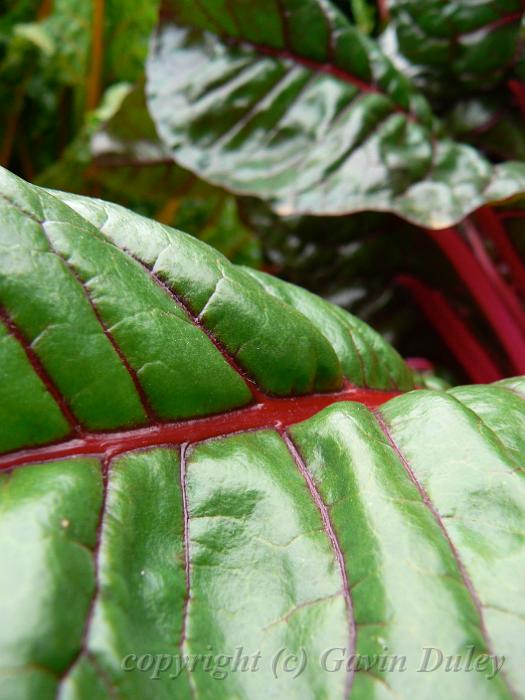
{"x": 256, "y": 392}
{"x": 473, "y": 276}
{"x": 502, "y": 21}
{"x": 186, "y": 541}
{"x": 83, "y": 649}
{"x": 495, "y": 24}
{"x": 106, "y": 680}
{"x": 131, "y": 372}
{"x": 123, "y": 359}
{"x": 288, "y": 411}
{"x": 174, "y": 296}
{"x": 467, "y": 581}
{"x": 329, "y": 529}
{"x": 40, "y": 371}
{"x": 288, "y": 54}
{"x": 196, "y": 321}
{"x": 478, "y": 415}
{"x": 463, "y": 344}
{"x": 310, "y": 64}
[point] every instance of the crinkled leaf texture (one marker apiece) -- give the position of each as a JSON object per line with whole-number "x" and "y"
{"x": 198, "y": 458}
{"x": 301, "y": 109}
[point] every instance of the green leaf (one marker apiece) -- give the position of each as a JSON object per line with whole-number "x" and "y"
{"x": 458, "y": 46}
{"x": 47, "y": 66}
{"x": 127, "y": 27}
{"x": 60, "y": 254}
{"x": 303, "y": 110}
{"x": 160, "y": 507}
{"x": 119, "y": 156}
{"x": 364, "y": 13}
{"x": 490, "y": 124}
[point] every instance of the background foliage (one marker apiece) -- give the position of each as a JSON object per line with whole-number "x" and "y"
{"x": 447, "y": 86}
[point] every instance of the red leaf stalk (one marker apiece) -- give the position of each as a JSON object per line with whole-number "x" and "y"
{"x": 481, "y": 288}
{"x": 505, "y": 292}
{"x": 463, "y": 344}
{"x": 491, "y": 227}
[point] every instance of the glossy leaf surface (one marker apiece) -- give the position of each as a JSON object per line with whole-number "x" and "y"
{"x": 462, "y": 45}
{"x": 304, "y": 110}
{"x": 206, "y": 458}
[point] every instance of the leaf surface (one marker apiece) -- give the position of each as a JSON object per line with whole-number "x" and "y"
{"x": 465, "y": 46}
{"x": 303, "y": 110}
{"x": 208, "y": 458}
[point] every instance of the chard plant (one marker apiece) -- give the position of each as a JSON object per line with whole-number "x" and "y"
{"x": 215, "y": 483}
{"x": 304, "y": 110}
{"x": 198, "y": 458}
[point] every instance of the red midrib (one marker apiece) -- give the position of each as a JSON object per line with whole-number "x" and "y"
{"x": 266, "y": 413}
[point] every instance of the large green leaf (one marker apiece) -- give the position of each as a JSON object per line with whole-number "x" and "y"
{"x": 158, "y": 501}
{"x": 302, "y": 109}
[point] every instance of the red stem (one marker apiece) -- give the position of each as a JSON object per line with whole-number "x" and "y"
{"x": 382, "y": 8}
{"x": 476, "y": 280}
{"x": 491, "y": 227}
{"x": 505, "y": 292}
{"x": 463, "y": 344}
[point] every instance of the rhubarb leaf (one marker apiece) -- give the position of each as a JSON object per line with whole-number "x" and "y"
{"x": 306, "y": 112}
{"x": 210, "y": 464}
